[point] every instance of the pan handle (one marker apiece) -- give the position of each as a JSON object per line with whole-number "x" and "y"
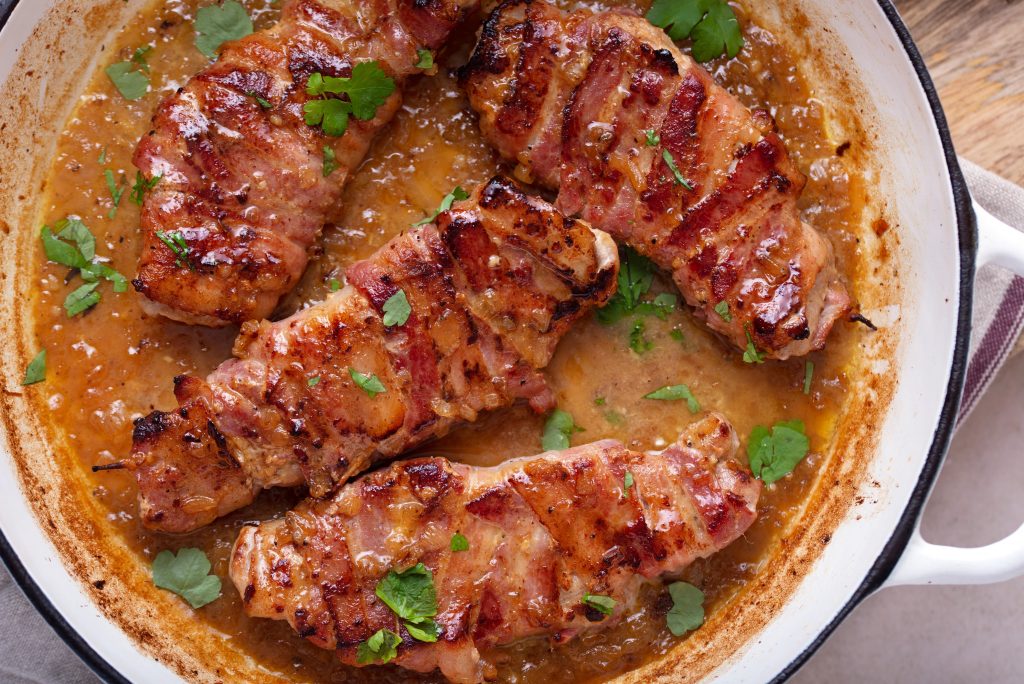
{"x": 924, "y": 563}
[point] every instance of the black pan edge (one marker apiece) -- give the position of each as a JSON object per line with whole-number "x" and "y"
{"x": 893, "y": 550}
{"x": 968, "y": 232}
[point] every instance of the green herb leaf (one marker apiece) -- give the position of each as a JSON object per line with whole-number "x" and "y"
{"x": 330, "y": 161}
{"x": 710, "y": 23}
{"x": 103, "y": 156}
{"x": 671, "y": 162}
{"x": 381, "y": 647}
{"x": 410, "y": 593}
{"x": 426, "y": 59}
{"x": 423, "y": 630}
{"x": 177, "y": 243}
{"x": 217, "y": 24}
{"x": 260, "y": 100}
{"x": 396, "y": 309}
{"x": 142, "y": 186}
{"x": 751, "y": 354}
{"x": 459, "y": 542}
{"x": 370, "y": 384}
{"x": 602, "y": 604}
{"x": 96, "y": 270}
{"x": 676, "y": 393}
{"x": 82, "y": 299}
{"x": 636, "y": 274}
{"x": 687, "y": 611}
{"x": 627, "y": 484}
{"x": 331, "y": 115}
{"x": 36, "y": 369}
{"x": 116, "y": 192}
{"x": 369, "y": 87}
{"x": 129, "y": 81}
{"x": 637, "y": 341}
{"x": 775, "y": 454}
{"x": 187, "y": 575}
{"x": 61, "y": 252}
{"x": 677, "y": 335}
{"x": 808, "y": 376}
{"x": 600, "y": 401}
{"x": 456, "y": 195}
{"x": 653, "y": 139}
{"x": 718, "y": 33}
{"x": 334, "y": 284}
{"x": 139, "y": 57}
{"x": 722, "y": 309}
{"x": 313, "y": 381}
{"x": 557, "y": 431}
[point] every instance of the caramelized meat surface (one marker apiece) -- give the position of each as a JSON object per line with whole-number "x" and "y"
{"x": 640, "y": 141}
{"x": 242, "y": 194}
{"x": 543, "y": 531}
{"x": 491, "y": 287}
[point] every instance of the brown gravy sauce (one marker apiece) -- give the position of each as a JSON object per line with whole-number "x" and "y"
{"x": 114, "y": 363}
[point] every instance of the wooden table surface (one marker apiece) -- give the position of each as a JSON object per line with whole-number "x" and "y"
{"x": 975, "y": 51}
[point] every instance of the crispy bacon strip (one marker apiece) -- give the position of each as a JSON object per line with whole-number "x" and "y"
{"x": 492, "y": 287}
{"x": 601, "y": 106}
{"x": 543, "y": 531}
{"x": 243, "y": 185}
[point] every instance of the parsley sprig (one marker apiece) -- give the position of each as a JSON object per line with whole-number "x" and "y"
{"x": 687, "y": 611}
{"x": 774, "y": 454}
{"x": 411, "y": 595}
{"x": 456, "y": 195}
{"x": 710, "y": 24}
{"x": 176, "y": 242}
{"x": 70, "y": 243}
{"x": 187, "y": 575}
{"x": 131, "y": 76}
{"x": 676, "y": 393}
{"x": 557, "y": 431}
{"x": 381, "y": 648}
{"x": 636, "y": 275}
{"x": 366, "y": 89}
{"x": 217, "y": 24}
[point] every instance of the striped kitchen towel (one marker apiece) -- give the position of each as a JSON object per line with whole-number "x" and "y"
{"x": 998, "y": 294}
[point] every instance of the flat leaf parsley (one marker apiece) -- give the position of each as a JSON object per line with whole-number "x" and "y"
{"x": 774, "y": 454}
{"x": 366, "y": 89}
{"x": 130, "y": 77}
{"x": 710, "y": 24}
{"x": 687, "y": 613}
{"x": 381, "y": 648}
{"x": 187, "y": 575}
{"x": 217, "y": 24}
{"x": 676, "y": 393}
{"x": 74, "y": 246}
{"x": 411, "y": 595}
{"x": 456, "y": 195}
{"x": 557, "y": 431}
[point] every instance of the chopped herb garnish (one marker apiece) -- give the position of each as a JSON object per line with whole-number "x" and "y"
{"x": 808, "y": 376}
{"x": 129, "y": 79}
{"x": 687, "y": 611}
{"x": 260, "y": 100}
{"x": 456, "y": 195}
{"x": 330, "y": 161}
{"x": 774, "y": 454}
{"x": 751, "y": 354}
{"x": 177, "y": 243}
{"x": 599, "y": 401}
{"x": 602, "y": 604}
{"x": 36, "y": 369}
{"x": 116, "y": 191}
{"x": 370, "y": 384}
{"x": 313, "y": 381}
{"x": 627, "y": 484}
{"x": 677, "y": 335}
{"x": 426, "y": 59}
{"x": 142, "y": 186}
{"x": 636, "y": 275}
{"x": 396, "y": 309}
{"x": 671, "y": 161}
{"x": 653, "y": 139}
{"x": 411, "y": 595}
{"x": 81, "y": 299}
{"x": 218, "y": 24}
{"x": 366, "y": 89}
{"x": 139, "y": 57}
{"x": 557, "y": 431}
{"x": 615, "y": 418}
{"x": 711, "y": 24}
{"x": 676, "y": 393}
{"x": 381, "y": 647}
{"x": 75, "y": 247}
{"x": 722, "y": 309}
{"x": 103, "y": 156}
{"x": 637, "y": 341}
{"x": 187, "y": 575}
{"x": 334, "y": 284}
{"x": 459, "y": 542}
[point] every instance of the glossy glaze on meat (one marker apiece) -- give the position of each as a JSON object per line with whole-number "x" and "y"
{"x": 492, "y": 286}
{"x": 243, "y": 184}
{"x": 542, "y": 531}
{"x": 571, "y": 98}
